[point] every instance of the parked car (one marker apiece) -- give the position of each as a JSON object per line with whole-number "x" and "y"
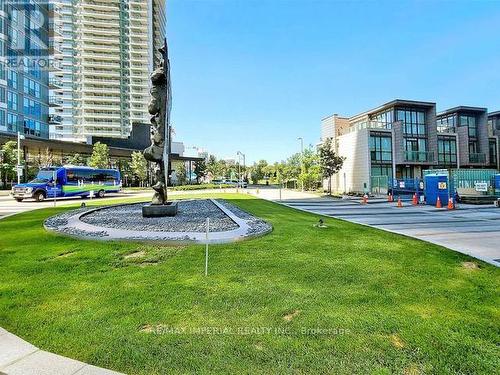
{"x": 236, "y": 183}
{"x": 56, "y": 182}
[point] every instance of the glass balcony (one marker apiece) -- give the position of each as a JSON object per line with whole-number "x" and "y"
{"x": 55, "y": 119}
{"x": 478, "y": 158}
{"x": 55, "y": 83}
{"x": 55, "y": 101}
{"x": 419, "y": 156}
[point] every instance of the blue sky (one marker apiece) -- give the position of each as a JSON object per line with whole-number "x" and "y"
{"x": 253, "y": 75}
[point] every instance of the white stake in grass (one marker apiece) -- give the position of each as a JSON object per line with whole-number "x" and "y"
{"x": 206, "y": 247}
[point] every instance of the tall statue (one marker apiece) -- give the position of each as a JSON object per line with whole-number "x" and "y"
{"x": 159, "y": 152}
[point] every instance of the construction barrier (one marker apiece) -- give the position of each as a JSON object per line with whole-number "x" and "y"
{"x": 438, "y": 203}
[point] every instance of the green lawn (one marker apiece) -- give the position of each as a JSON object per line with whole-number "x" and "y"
{"x": 378, "y": 302}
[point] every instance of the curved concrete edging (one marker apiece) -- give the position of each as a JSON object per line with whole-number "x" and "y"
{"x": 113, "y": 234}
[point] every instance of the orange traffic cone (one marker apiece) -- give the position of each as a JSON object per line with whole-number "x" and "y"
{"x": 365, "y": 199}
{"x": 414, "y": 201}
{"x": 390, "y": 198}
{"x": 438, "y": 203}
{"x": 451, "y": 206}
{"x": 400, "y": 203}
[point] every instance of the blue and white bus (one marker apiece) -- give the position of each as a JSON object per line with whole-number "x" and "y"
{"x": 69, "y": 181}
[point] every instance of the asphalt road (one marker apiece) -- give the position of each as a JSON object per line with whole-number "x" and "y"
{"x": 9, "y": 206}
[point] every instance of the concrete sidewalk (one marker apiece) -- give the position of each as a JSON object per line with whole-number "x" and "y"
{"x": 18, "y": 357}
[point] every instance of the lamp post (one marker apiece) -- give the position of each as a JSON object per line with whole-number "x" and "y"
{"x": 301, "y": 158}
{"x": 239, "y": 153}
{"x": 18, "y": 167}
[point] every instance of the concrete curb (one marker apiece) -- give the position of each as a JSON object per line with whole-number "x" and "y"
{"x": 112, "y": 234}
{"x": 20, "y": 357}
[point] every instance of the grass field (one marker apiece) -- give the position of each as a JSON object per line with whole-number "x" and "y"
{"x": 346, "y": 299}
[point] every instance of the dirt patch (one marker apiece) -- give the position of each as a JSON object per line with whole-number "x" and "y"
{"x": 413, "y": 369}
{"x": 136, "y": 254}
{"x": 289, "y": 317}
{"x": 147, "y": 264}
{"x": 259, "y": 346}
{"x": 397, "y": 342}
{"x": 470, "y": 265}
{"x": 65, "y": 255}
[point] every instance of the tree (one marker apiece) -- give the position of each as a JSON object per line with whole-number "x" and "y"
{"x": 258, "y": 171}
{"x": 139, "y": 166}
{"x": 181, "y": 173}
{"x": 200, "y": 170}
{"x": 215, "y": 168}
{"x": 76, "y": 159}
{"x": 8, "y": 161}
{"x": 100, "y": 156}
{"x": 125, "y": 170}
{"x": 310, "y": 173}
{"x": 330, "y": 162}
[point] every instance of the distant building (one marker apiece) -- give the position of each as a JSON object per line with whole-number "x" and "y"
{"x": 107, "y": 49}
{"x": 402, "y": 138}
{"x": 24, "y": 87}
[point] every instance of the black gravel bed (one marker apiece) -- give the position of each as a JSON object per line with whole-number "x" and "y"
{"x": 191, "y": 217}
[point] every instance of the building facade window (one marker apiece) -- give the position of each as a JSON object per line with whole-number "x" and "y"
{"x": 491, "y": 128}
{"x": 11, "y": 122}
{"x": 2, "y": 118}
{"x": 471, "y": 123}
{"x": 447, "y": 151}
{"x": 447, "y": 124}
{"x": 384, "y": 119}
{"x": 380, "y": 148}
{"x": 493, "y": 152}
{"x": 381, "y": 170}
{"x": 473, "y": 149}
{"x": 413, "y": 121}
{"x": 12, "y": 101}
{"x": 12, "y": 79}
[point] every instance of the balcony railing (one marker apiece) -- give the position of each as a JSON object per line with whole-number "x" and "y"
{"x": 55, "y": 83}
{"x": 55, "y": 101}
{"x": 419, "y": 156}
{"x": 478, "y": 158}
{"x": 55, "y": 119}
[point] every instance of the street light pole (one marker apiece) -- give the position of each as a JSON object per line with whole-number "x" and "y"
{"x": 18, "y": 167}
{"x": 301, "y": 158}
{"x": 239, "y": 153}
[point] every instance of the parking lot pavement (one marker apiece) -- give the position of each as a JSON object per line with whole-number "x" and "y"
{"x": 470, "y": 229}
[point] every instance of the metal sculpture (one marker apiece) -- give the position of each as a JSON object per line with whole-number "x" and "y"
{"x": 159, "y": 152}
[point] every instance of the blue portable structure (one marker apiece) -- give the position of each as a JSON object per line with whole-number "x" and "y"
{"x": 497, "y": 184}
{"x": 407, "y": 187}
{"x": 437, "y": 185}
{"x": 69, "y": 181}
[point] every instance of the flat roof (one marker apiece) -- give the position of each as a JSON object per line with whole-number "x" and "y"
{"x": 392, "y": 103}
{"x": 335, "y": 115}
{"x": 494, "y": 114}
{"x": 462, "y": 108}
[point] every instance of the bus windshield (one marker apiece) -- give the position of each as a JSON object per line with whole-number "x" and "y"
{"x": 44, "y": 176}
